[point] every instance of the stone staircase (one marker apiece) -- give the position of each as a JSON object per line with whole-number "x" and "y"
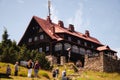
{"x": 76, "y": 72}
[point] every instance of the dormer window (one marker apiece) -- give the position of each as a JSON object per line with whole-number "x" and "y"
{"x": 69, "y": 38}
{"x": 30, "y": 40}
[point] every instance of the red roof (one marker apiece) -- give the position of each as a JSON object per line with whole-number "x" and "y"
{"x": 47, "y": 27}
{"x": 103, "y": 48}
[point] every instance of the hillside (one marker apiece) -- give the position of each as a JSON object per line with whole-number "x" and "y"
{"x": 70, "y": 69}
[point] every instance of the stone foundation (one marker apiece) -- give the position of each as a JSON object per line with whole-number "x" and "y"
{"x": 102, "y": 63}
{"x": 63, "y": 60}
{"x": 52, "y": 59}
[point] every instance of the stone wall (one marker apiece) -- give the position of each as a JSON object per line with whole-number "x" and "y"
{"x": 52, "y": 59}
{"x": 111, "y": 64}
{"x": 93, "y": 63}
{"x": 102, "y": 63}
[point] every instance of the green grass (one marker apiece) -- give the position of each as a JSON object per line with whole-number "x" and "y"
{"x": 22, "y": 75}
{"x": 47, "y": 75}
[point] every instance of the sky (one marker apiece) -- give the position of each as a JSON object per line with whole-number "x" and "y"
{"x": 100, "y": 17}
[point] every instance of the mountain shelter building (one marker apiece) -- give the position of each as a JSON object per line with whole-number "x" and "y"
{"x": 64, "y": 43}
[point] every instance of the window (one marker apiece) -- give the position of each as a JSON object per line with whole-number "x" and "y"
{"x": 85, "y": 43}
{"x": 82, "y": 51}
{"x": 41, "y": 36}
{"x": 69, "y": 38}
{"x": 40, "y": 30}
{"x": 30, "y": 40}
{"x": 75, "y": 49}
{"x": 78, "y": 41}
{"x": 89, "y": 52}
{"x": 47, "y": 48}
{"x": 66, "y": 46}
{"x": 58, "y": 47}
{"x": 35, "y": 38}
{"x": 40, "y": 49}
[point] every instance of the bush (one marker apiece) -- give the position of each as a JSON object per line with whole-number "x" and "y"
{"x": 44, "y": 63}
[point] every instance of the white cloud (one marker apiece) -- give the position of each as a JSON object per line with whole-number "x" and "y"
{"x": 77, "y": 19}
{"x": 54, "y": 13}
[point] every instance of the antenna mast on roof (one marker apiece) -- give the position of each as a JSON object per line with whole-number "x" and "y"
{"x": 49, "y": 5}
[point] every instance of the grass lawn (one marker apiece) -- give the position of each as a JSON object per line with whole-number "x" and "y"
{"x": 22, "y": 75}
{"x": 47, "y": 75}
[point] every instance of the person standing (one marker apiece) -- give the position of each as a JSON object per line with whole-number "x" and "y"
{"x": 29, "y": 66}
{"x": 8, "y": 70}
{"x": 64, "y": 75}
{"x": 16, "y": 69}
{"x": 57, "y": 72}
{"x": 54, "y": 74}
{"x": 36, "y": 68}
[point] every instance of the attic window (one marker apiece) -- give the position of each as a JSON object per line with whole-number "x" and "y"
{"x": 40, "y": 30}
{"x": 41, "y": 36}
{"x": 30, "y": 40}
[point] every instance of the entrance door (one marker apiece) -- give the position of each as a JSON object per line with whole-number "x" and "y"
{"x": 75, "y": 57}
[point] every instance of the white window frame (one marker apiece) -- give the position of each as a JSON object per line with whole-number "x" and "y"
{"x": 41, "y": 37}
{"x": 30, "y": 40}
{"x": 75, "y": 49}
{"x": 35, "y": 38}
{"x": 82, "y": 51}
{"x": 40, "y": 49}
{"x": 47, "y": 48}
{"x": 58, "y": 46}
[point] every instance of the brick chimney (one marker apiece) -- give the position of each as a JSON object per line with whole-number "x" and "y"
{"x": 71, "y": 28}
{"x": 53, "y": 29}
{"x": 48, "y": 19}
{"x": 87, "y": 34}
{"x": 60, "y": 23}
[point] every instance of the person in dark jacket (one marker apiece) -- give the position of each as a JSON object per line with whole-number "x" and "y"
{"x": 36, "y": 68}
{"x": 29, "y": 66}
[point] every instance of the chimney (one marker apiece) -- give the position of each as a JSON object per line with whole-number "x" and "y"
{"x": 60, "y": 23}
{"x": 71, "y": 27}
{"x": 87, "y": 34}
{"x": 53, "y": 29}
{"x": 48, "y": 19}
